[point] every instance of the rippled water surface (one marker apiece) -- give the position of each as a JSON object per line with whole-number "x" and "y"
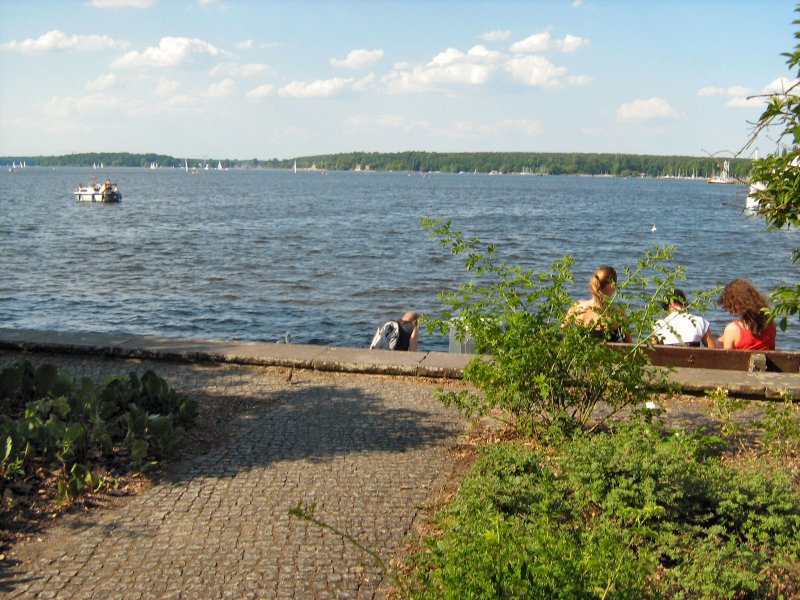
{"x": 255, "y": 254}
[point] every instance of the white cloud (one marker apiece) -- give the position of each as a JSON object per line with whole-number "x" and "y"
{"x": 580, "y": 79}
{"x": 166, "y": 86}
{"x": 711, "y": 91}
{"x": 542, "y": 42}
{"x": 174, "y": 103}
{"x": 316, "y": 89}
{"x": 58, "y": 40}
{"x": 358, "y": 59}
{"x": 449, "y": 67}
{"x": 65, "y": 106}
{"x": 464, "y": 129}
{"x": 388, "y": 121}
{"x": 170, "y": 52}
{"x": 261, "y": 91}
{"x": 571, "y": 43}
{"x": 527, "y": 126}
{"x": 746, "y": 102}
{"x": 538, "y": 42}
{"x": 781, "y": 85}
{"x": 122, "y": 3}
{"x": 743, "y": 97}
{"x": 642, "y": 110}
{"x": 220, "y": 90}
{"x": 252, "y": 44}
{"x": 237, "y": 70}
{"x": 535, "y": 71}
{"x": 730, "y": 91}
{"x": 364, "y": 83}
{"x": 496, "y": 36}
{"x": 103, "y": 82}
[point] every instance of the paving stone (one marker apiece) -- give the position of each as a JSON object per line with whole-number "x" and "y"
{"x": 368, "y": 450}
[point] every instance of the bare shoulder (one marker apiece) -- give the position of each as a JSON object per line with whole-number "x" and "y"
{"x": 731, "y": 327}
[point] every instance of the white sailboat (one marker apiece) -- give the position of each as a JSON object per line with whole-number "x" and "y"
{"x": 724, "y": 176}
{"x": 219, "y": 166}
{"x": 186, "y": 165}
{"x": 295, "y": 166}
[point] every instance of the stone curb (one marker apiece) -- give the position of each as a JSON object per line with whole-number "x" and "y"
{"x": 436, "y": 365}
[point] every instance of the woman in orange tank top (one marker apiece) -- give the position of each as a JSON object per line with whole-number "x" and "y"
{"x": 753, "y": 330}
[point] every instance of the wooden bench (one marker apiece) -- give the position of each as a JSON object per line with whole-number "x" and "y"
{"x": 777, "y": 361}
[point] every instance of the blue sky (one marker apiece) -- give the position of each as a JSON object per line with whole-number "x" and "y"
{"x": 273, "y": 79}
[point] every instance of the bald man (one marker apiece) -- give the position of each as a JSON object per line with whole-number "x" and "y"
{"x": 409, "y": 332}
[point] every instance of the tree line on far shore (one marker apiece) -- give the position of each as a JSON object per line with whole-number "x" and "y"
{"x": 533, "y": 163}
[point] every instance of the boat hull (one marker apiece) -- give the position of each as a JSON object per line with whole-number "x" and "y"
{"x": 88, "y": 195}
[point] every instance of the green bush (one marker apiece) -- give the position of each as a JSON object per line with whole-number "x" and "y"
{"x": 536, "y": 370}
{"x": 635, "y": 513}
{"x": 46, "y": 418}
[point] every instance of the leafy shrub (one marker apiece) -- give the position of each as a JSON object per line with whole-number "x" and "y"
{"x": 635, "y": 513}
{"x": 537, "y": 370}
{"x": 47, "y": 418}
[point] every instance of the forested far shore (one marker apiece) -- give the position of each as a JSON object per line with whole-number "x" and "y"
{"x": 533, "y": 163}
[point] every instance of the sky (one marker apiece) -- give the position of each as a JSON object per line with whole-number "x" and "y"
{"x": 244, "y": 79}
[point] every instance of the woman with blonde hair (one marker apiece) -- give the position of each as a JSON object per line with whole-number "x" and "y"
{"x": 594, "y": 312}
{"x": 753, "y": 330}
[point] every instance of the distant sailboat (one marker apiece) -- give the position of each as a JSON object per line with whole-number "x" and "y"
{"x": 724, "y": 176}
{"x": 219, "y": 166}
{"x": 295, "y": 166}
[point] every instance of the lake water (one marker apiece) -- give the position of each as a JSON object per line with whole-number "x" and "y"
{"x": 250, "y": 254}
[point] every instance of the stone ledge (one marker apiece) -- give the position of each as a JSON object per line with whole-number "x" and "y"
{"x": 435, "y": 365}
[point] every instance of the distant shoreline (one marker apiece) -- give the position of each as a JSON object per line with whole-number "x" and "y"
{"x": 497, "y": 163}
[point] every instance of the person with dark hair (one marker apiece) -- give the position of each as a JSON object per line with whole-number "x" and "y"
{"x": 753, "y": 330}
{"x": 680, "y": 327}
{"x": 595, "y": 312}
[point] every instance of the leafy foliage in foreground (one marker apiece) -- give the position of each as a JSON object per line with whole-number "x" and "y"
{"x": 538, "y": 371}
{"x": 779, "y": 174}
{"x": 47, "y": 419}
{"x": 636, "y": 513}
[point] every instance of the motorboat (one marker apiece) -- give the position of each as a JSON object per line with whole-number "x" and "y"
{"x": 94, "y": 191}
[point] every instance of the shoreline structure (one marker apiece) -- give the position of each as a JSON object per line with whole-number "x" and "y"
{"x": 742, "y": 373}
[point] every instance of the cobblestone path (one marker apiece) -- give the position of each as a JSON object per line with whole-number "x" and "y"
{"x": 369, "y": 451}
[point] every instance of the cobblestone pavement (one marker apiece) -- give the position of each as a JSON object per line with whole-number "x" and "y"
{"x": 368, "y": 450}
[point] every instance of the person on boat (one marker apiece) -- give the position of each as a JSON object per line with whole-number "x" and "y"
{"x": 596, "y": 312}
{"x": 680, "y": 327}
{"x": 753, "y": 330}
